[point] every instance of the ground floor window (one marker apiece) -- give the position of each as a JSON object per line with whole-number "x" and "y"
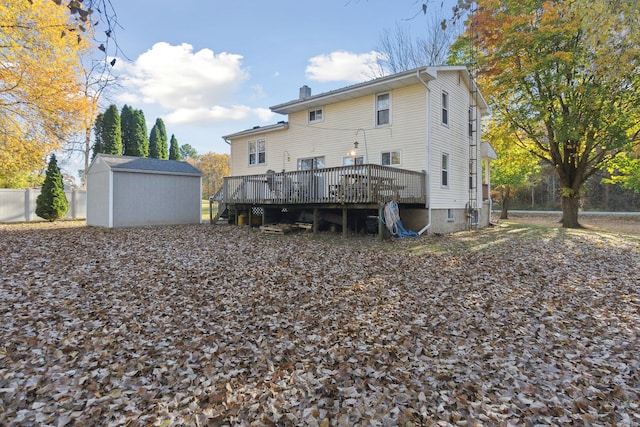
{"x": 445, "y": 170}
{"x": 391, "y": 158}
{"x": 350, "y": 161}
{"x": 311, "y": 163}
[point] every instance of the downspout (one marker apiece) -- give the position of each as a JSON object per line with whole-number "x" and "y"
{"x": 229, "y": 143}
{"x": 428, "y": 172}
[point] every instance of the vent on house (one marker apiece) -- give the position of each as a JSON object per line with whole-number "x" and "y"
{"x": 305, "y": 92}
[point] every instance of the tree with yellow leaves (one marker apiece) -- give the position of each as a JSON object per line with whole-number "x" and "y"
{"x": 214, "y": 168}
{"x": 41, "y": 94}
{"x": 563, "y": 77}
{"x": 514, "y": 166}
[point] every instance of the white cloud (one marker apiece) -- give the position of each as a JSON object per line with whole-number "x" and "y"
{"x": 264, "y": 114}
{"x": 342, "y": 66}
{"x": 207, "y": 115}
{"x": 190, "y": 86}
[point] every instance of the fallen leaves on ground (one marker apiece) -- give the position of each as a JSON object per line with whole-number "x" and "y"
{"x": 209, "y": 325}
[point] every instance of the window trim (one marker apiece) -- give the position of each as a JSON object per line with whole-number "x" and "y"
{"x": 388, "y": 109}
{"x": 315, "y": 111}
{"x": 444, "y": 115}
{"x": 359, "y": 160}
{"x": 256, "y": 143}
{"x": 314, "y": 162}
{"x": 444, "y": 170}
{"x": 390, "y": 152}
{"x": 451, "y": 215}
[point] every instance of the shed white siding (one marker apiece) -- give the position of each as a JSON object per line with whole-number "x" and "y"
{"x": 129, "y": 191}
{"x": 99, "y": 194}
{"x": 157, "y": 200}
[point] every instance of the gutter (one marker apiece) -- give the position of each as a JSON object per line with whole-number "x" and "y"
{"x": 428, "y": 172}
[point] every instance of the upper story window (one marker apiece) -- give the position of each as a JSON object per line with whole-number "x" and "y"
{"x": 445, "y": 108}
{"x": 257, "y": 152}
{"x": 383, "y": 107}
{"x": 315, "y": 115}
{"x": 390, "y": 158}
{"x": 445, "y": 170}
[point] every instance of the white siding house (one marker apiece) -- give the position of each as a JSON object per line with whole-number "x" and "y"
{"x": 127, "y": 191}
{"x": 426, "y": 120}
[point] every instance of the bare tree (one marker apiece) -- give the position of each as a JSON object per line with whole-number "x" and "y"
{"x": 98, "y": 20}
{"x": 401, "y": 52}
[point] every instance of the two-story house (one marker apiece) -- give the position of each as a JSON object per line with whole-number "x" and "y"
{"x": 341, "y": 155}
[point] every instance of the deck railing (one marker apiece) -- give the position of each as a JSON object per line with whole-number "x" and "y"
{"x": 358, "y": 184}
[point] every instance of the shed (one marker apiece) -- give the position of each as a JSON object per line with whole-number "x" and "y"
{"x": 127, "y": 191}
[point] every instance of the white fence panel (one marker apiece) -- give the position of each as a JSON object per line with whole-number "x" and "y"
{"x": 20, "y": 205}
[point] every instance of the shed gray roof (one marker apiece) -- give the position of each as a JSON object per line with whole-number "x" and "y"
{"x": 148, "y": 165}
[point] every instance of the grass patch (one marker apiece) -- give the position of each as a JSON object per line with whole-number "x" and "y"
{"x": 205, "y": 209}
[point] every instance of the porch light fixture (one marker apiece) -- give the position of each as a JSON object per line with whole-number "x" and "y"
{"x": 354, "y": 151}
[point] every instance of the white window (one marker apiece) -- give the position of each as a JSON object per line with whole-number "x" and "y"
{"x": 445, "y": 108}
{"x": 451, "y": 215}
{"x": 350, "y": 161}
{"x": 383, "y": 106}
{"x": 315, "y": 115}
{"x": 257, "y": 152}
{"x": 391, "y": 158}
{"x": 445, "y": 170}
{"x": 311, "y": 163}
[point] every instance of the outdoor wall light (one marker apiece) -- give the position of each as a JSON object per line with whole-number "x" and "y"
{"x": 353, "y": 152}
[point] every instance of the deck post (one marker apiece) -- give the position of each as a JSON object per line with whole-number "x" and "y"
{"x": 344, "y": 222}
{"x": 380, "y": 224}
{"x": 315, "y": 220}
{"x": 250, "y": 217}
{"x": 210, "y": 211}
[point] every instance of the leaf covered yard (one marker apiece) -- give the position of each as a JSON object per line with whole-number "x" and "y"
{"x": 202, "y": 325}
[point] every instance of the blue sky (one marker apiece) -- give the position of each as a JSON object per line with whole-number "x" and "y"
{"x": 212, "y": 68}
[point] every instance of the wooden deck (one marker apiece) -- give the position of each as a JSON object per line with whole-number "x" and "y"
{"x": 363, "y": 186}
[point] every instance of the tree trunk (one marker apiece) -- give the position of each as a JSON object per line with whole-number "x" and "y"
{"x": 87, "y": 154}
{"x": 570, "y": 207}
{"x": 504, "y": 214}
{"x": 505, "y": 195}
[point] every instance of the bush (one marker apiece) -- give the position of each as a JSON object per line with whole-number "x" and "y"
{"x": 52, "y": 203}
